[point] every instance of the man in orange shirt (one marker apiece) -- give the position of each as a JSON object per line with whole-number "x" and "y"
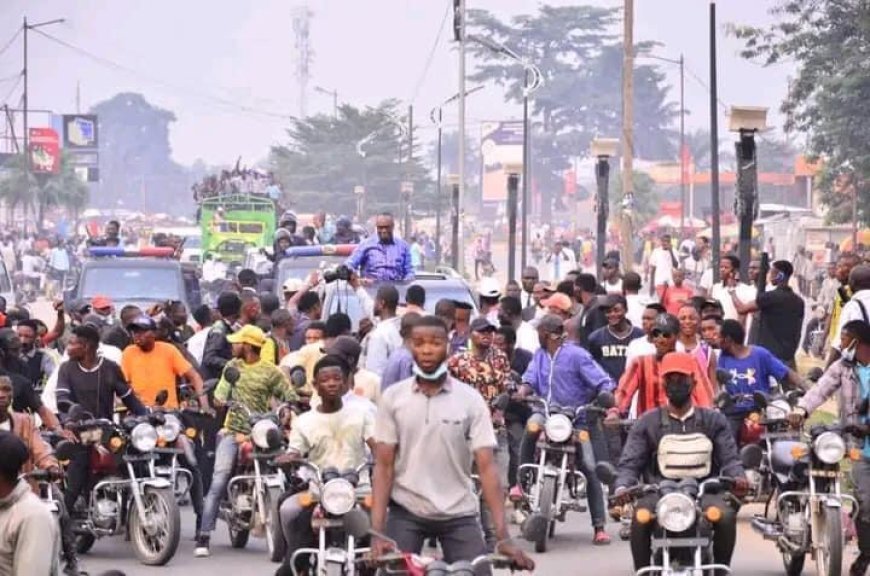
{"x": 151, "y": 367}
{"x": 673, "y": 297}
{"x": 644, "y": 375}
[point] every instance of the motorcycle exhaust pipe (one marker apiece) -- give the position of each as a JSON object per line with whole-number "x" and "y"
{"x": 768, "y": 530}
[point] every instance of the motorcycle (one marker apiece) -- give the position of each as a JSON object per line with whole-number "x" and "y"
{"x": 332, "y": 494}
{"x": 256, "y": 486}
{"x": 808, "y": 513}
{"x": 126, "y": 495}
{"x": 555, "y": 486}
{"x": 682, "y": 544}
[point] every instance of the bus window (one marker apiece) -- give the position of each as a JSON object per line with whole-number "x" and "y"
{"x": 250, "y": 227}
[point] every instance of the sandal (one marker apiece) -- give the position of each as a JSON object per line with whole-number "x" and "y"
{"x": 601, "y": 538}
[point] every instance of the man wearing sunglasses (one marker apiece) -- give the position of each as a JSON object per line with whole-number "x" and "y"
{"x": 644, "y": 376}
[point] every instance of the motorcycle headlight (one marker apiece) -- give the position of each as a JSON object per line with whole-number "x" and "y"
{"x": 338, "y": 497}
{"x": 144, "y": 437}
{"x": 777, "y": 410}
{"x": 170, "y": 429}
{"x": 675, "y": 512}
{"x": 260, "y": 433}
{"x": 558, "y": 428}
{"x": 829, "y": 447}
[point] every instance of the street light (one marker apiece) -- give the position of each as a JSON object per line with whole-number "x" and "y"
{"x": 454, "y": 180}
{"x": 746, "y": 121}
{"x": 533, "y": 79}
{"x": 683, "y": 168}
{"x": 25, "y": 28}
{"x": 437, "y": 117}
{"x": 334, "y": 94}
{"x": 603, "y": 149}
{"x": 513, "y": 172}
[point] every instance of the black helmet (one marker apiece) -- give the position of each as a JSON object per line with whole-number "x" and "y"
{"x": 288, "y": 217}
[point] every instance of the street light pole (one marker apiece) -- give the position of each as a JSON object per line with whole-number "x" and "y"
{"x": 24, "y": 97}
{"x": 602, "y": 149}
{"x": 526, "y": 170}
{"x": 683, "y": 166}
{"x": 458, "y": 255}
{"x": 512, "y": 185}
{"x": 714, "y": 146}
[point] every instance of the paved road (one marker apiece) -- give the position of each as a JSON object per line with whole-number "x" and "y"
{"x": 570, "y": 550}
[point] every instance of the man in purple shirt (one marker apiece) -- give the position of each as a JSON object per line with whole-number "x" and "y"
{"x": 383, "y": 258}
{"x": 566, "y": 375}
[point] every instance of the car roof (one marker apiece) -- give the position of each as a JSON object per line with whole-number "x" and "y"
{"x": 130, "y": 262}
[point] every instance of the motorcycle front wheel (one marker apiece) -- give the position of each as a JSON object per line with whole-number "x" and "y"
{"x": 829, "y": 550}
{"x": 792, "y": 562}
{"x": 155, "y": 545}
{"x": 238, "y": 536}
{"x": 545, "y": 504}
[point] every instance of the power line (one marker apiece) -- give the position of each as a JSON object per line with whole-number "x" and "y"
{"x": 115, "y": 65}
{"x": 9, "y": 43}
{"x": 10, "y": 78}
{"x": 431, "y": 56}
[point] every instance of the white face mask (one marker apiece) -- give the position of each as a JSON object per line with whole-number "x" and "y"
{"x": 430, "y": 376}
{"x": 849, "y": 353}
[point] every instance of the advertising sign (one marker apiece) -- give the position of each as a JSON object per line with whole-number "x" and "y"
{"x": 44, "y": 151}
{"x": 501, "y": 145}
{"x": 80, "y": 131}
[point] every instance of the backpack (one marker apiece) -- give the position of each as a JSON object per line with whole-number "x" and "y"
{"x": 686, "y": 454}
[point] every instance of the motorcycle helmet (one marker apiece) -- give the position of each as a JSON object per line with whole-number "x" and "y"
{"x": 288, "y": 220}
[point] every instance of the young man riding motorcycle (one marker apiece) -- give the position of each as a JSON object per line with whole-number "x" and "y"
{"x": 850, "y": 376}
{"x": 259, "y": 384}
{"x": 333, "y": 435}
{"x": 639, "y": 462}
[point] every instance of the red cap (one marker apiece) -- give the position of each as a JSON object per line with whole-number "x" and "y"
{"x": 98, "y": 302}
{"x": 679, "y": 362}
{"x": 559, "y": 301}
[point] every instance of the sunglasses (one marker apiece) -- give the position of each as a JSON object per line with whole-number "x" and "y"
{"x": 660, "y": 334}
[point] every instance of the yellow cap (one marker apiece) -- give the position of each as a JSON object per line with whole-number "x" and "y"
{"x": 249, "y": 334}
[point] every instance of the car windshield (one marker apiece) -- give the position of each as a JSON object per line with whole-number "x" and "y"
{"x": 300, "y": 268}
{"x": 193, "y": 242}
{"x": 145, "y": 283}
{"x": 343, "y": 299}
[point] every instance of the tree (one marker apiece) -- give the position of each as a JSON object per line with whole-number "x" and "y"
{"x": 321, "y": 165}
{"x": 828, "y": 40}
{"x": 580, "y": 58}
{"x": 136, "y": 167}
{"x": 41, "y": 192}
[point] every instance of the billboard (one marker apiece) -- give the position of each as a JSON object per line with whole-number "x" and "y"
{"x": 501, "y": 145}
{"x": 44, "y": 150}
{"x": 80, "y": 131}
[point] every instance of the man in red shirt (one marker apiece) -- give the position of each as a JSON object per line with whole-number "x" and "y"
{"x": 673, "y": 297}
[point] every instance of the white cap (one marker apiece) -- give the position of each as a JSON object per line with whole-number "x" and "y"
{"x": 489, "y": 288}
{"x": 293, "y": 285}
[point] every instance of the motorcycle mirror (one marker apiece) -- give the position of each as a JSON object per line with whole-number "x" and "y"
{"x": 605, "y": 400}
{"x": 297, "y": 377}
{"x": 724, "y": 400}
{"x": 64, "y": 450}
{"x": 232, "y": 375}
{"x": 76, "y": 412}
{"x": 793, "y": 396}
{"x": 750, "y": 456}
{"x": 815, "y": 374}
{"x": 161, "y": 398}
{"x": 357, "y": 524}
{"x": 606, "y": 472}
{"x": 760, "y": 399}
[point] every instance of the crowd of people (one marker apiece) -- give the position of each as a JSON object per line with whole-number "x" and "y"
{"x": 239, "y": 180}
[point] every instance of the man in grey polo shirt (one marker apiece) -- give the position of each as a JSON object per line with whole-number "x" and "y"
{"x": 429, "y": 429}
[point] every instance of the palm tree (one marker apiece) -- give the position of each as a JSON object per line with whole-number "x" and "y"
{"x": 64, "y": 189}
{"x": 17, "y": 186}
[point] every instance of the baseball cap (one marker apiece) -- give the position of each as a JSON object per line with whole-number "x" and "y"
{"x": 680, "y": 363}
{"x": 293, "y": 285}
{"x": 98, "y": 302}
{"x": 667, "y": 324}
{"x": 142, "y": 322}
{"x": 482, "y": 324}
{"x": 346, "y": 347}
{"x": 249, "y": 334}
{"x": 559, "y": 301}
{"x": 489, "y": 288}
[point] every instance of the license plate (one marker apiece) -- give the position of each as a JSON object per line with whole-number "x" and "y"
{"x": 318, "y": 523}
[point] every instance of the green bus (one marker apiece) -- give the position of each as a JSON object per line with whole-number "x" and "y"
{"x": 233, "y": 224}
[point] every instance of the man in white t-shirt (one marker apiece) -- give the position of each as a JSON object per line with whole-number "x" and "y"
{"x": 662, "y": 262}
{"x": 729, "y": 272}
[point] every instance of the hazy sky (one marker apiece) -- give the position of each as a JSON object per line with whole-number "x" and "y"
{"x": 227, "y": 68}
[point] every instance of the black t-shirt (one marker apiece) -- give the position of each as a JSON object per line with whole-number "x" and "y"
{"x": 24, "y": 396}
{"x": 609, "y": 351}
{"x": 780, "y": 319}
{"x": 95, "y": 391}
{"x": 521, "y": 360}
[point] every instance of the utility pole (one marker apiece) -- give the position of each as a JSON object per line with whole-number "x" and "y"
{"x": 459, "y": 30}
{"x": 683, "y": 166}
{"x": 408, "y": 168}
{"x": 26, "y": 133}
{"x": 628, "y": 135}
{"x": 714, "y": 146}
{"x": 438, "y": 192}
{"x": 526, "y": 170}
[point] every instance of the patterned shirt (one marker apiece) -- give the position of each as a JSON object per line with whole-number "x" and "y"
{"x": 488, "y": 376}
{"x": 258, "y": 384}
{"x": 389, "y": 262}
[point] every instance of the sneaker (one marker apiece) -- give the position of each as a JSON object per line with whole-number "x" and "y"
{"x": 516, "y": 493}
{"x": 201, "y": 550}
{"x": 625, "y": 532}
{"x": 601, "y": 538}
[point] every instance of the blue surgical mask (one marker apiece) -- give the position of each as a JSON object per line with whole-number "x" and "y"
{"x": 430, "y": 376}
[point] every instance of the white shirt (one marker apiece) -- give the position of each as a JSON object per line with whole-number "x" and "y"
{"x": 557, "y": 265}
{"x": 852, "y": 311}
{"x": 196, "y": 344}
{"x": 613, "y": 288}
{"x": 662, "y": 261}
{"x": 637, "y": 348}
{"x": 333, "y": 440}
{"x": 213, "y": 270}
{"x": 636, "y": 305}
{"x": 113, "y": 353}
{"x": 31, "y": 265}
{"x": 527, "y": 337}
{"x": 745, "y": 293}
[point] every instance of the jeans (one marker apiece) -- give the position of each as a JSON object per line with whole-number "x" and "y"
{"x": 460, "y": 538}
{"x": 501, "y": 457}
{"x": 515, "y": 431}
{"x": 724, "y": 531}
{"x": 861, "y": 482}
{"x": 594, "y": 491}
{"x": 224, "y": 461}
{"x": 78, "y": 473}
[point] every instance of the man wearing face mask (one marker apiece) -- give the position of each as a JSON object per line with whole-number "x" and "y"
{"x": 849, "y": 378}
{"x": 680, "y": 419}
{"x": 567, "y": 376}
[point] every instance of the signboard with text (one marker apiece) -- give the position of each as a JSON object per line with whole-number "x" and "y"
{"x": 80, "y": 131}
{"x": 44, "y": 150}
{"x": 501, "y": 145}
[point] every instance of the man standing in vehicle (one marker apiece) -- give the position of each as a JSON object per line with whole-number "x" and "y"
{"x": 849, "y": 376}
{"x": 383, "y": 257}
{"x": 428, "y": 430}
{"x": 259, "y": 385}
{"x": 679, "y": 418}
